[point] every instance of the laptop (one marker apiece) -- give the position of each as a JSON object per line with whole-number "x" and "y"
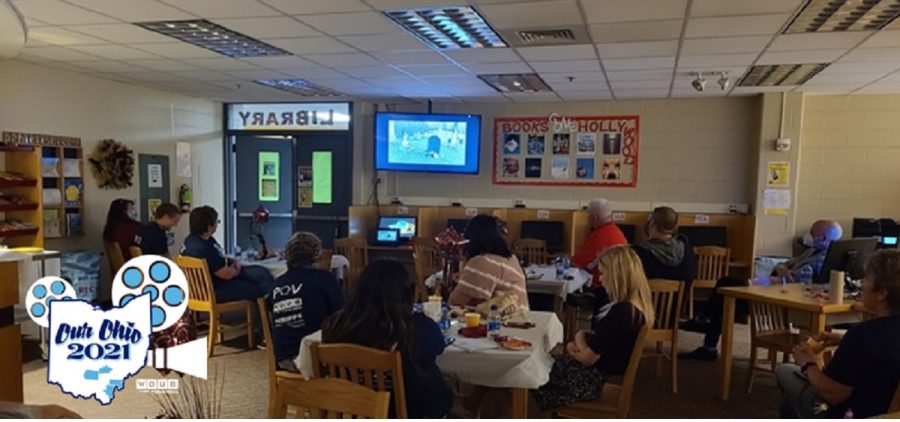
{"x": 387, "y": 237}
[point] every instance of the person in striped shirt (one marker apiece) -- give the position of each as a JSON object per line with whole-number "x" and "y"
{"x": 492, "y": 269}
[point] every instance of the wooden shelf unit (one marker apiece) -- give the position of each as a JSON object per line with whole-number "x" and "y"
{"x": 26, "y": 161}
{"x": 57, "y": 156}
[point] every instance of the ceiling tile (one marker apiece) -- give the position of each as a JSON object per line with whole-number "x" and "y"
{"x": 808, "y": 56}
{"x": 257, "y": 74}
{"x": 483, "y": 55}
{"x": 609, "y": 11}
{"x": 274, "y": 27}
{"x": 636, "y": 31}
{"x": 115, "y": 52}
{"x": 316, "y": 74}
{"x": 361, "y": 23}
{"x": 872, "y": 55}
{"x": 893, "y": 77}
{"x": 177, "y": 50}
{"x": 644, "y": 63}
{"x": 164, "y": 65}
{"x": 221, "y": 63}
{"x": 526, "y": 97}
{"x": 434, "y": 70}
{"x": 455, "y": 81}
{"x": 715, "y": 60}
{"x": 706, "y": 8}
{"x": 55, "y": 12}
{"x": 316, "y": 45}
{"x": 367, "y": 72}
{"x": 735, "y": 26}
{"x": 340, "y": 60}
{"x": 121, "y": 33}
{"x": 211, "y": 9}
{"x": 501, "y": 68}
{"x": 558, "y": 52}
{"x": 154, "y": 77}
{"x": 308, "y": 7}
{"x": 726, "y": 45}
{"x": 412, "y": 57}
{"x": 585, "y": 96}
{"x": 688, "y": 92}
{"x": 759, "y": 89}
{"x": 567, "y": 66}
{"x": 642, "y": 93}
{"x": 58, "y": 36}
{"x": 579, "y": 86}
{"x": 818, "y": 41}
{"x": 551, "y": 77}
{"x": 845, "y": 78}
{"x": 386, "y": 42}
{"x": 134, "y": 10}
{"x": 883, "y": 39}
{"x": 861, "y": 67}
{"x": 406, "y": 4}
{"x": 630, "y": 85}
{"x": 639, "y": 75}
{"x": 638, "y": 49}
{"x": 827, "y": 89}
{"x": 206, "y": 75}
{"x": 108, "y": 66}
{"x": 280, "y": 62}
{"x": 533, "y": 15}
{"x": 34, "y": 23}
{"x": 881, "y": 88}
{"x": 343, "y": 84}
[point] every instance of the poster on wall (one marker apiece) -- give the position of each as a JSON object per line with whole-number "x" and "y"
{"x": 778, "y": 174}
{"x": 183, "y": 159}
{"x": 154, "y": 176}
{"x": 268, "y": 176}
{"x": 776, "y": 201}
{"x": 304, "y": 187}
{"x": 566, "y": 150}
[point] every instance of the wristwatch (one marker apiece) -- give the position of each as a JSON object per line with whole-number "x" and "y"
{"x": 806, "y": 366}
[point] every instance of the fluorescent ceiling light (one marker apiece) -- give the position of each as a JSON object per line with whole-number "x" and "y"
{"x": 448, "y": 27}
{"x": 844, "y": 15}
{"x": 210, "y": 36}
{"x": 781, "y": 74}
{"x": 516, "y": 82}
{"x": 299, "y": 86}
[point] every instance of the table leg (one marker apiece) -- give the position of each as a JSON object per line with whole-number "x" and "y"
{"x": 519, "y": 403}
{"x": 817, "y": 324}
{"x": 558, "y": 307}
{"x": 725, "y": 355}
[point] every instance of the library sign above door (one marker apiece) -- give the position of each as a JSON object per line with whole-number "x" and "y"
{"x": 289, "y": 116}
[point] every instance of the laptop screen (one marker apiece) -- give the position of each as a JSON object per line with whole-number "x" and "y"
{"x": 387, "y": 235}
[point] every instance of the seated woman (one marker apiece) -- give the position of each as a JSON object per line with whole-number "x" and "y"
{"x": 491, "y": 269}
{"x": 864, "y": 374}
{"x": 380, "y": 315}
{"x": 122, "y": 226}
{"x": 596, "y": 355}
{"x": 301, "y": 299}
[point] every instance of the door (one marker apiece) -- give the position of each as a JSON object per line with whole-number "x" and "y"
{"x": 263, "y": 176}
{"x": 323, "y": 174}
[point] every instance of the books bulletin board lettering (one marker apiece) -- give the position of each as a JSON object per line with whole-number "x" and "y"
{"x": 566, "y": 151}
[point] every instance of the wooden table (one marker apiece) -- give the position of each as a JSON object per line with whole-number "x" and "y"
{"x": 794, "y": 298}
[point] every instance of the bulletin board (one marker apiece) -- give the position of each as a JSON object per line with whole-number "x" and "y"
{"x": 566, "y": 151}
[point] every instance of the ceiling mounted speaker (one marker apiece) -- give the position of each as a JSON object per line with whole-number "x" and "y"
{"x": 12, "y": 30}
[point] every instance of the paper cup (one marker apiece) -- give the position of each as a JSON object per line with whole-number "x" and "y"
{"x": 473, "y": 319}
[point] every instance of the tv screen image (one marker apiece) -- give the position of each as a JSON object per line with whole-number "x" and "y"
{"x": 387, "y": 235}
{"x": 440, "y": 143}
{"x": 405, "y": 225}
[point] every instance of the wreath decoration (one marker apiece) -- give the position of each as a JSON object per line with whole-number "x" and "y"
{"x": 112, "y": 164}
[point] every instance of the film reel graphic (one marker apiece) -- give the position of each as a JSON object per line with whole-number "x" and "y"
{"x": 162, "y": 280}
{"x": 41, "y": 293}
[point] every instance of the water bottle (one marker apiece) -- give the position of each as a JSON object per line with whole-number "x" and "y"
{"x": 567, "y": 264}
{"x": 559, "y": 268}
{"x": 493, "y": 324}
{"x": 806, "y": 275}
{"x": 445, "y": 320}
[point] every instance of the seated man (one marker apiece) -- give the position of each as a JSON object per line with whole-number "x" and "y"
{"x": 301, "y": 299}
{"x": 823, "y": 232}
{"x": 156, "y": 237}
{"x": 861, "y": 379}
{"x": 667, "y": 254}
{"x": 604, "y": 235}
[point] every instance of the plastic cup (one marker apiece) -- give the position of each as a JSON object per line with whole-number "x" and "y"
{"x": 473, "y": 319}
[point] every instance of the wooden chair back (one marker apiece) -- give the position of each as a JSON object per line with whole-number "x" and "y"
{"x": 667, "y": 296}
{"x": 324, "y": 262}
{"x": 356, "y": 251}
{"x": 428, "y": 261}
{"x": 712, "y": 262}
{"x": 274, "y": 374}
{"x": 135, "y": 251}
{"x": 200, "y": 284}
{"x": 767, "y": 318}
{"x": 626, "y": 390}
{"x": 378, "y": 370}
{"x": 534, "y": 250}
{"x": 330, "y": 398}
{"x": 113, "y": 256}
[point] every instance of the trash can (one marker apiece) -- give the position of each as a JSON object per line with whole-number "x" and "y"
{"x": 82, "y": 270}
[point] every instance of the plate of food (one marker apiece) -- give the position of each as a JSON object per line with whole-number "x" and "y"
{"x": 512, "y": 343}
{"x": 529, "y": 275}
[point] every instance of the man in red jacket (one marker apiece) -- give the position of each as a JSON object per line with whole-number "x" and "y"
{"x": 604, "y": 235}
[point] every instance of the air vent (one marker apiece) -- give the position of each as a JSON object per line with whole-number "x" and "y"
{"x": 781, "y": 74}
{"x": 448, "y": 27}
{"x": 211, "y": 36}
{"x": 547, "y": 36}
{"x": 844, "y": 15}
{"x": 516, "y": 82}
{"x": 300, "y": 87}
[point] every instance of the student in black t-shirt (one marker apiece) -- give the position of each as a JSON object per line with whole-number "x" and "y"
{"x": 596, "y": 355}
{"x": 301, "y": 299}
{"x": 156, "y": 236}
{"x": 864, "y": 374}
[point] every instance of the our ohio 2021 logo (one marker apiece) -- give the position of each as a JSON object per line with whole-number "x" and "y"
{"x": 92, "y": 351}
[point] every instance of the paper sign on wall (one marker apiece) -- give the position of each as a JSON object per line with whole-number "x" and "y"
{"x": 154, "y": 176}
{"x": 183, "y": 159}
{"x": 777, "y": 201}
{"x": 152, "y": 204}
{"x": 618, "y": 217}
{"x": 471, "y": 212}
{"x": 543, "y": 214}
{"x": 778, "y": 174}
{"x": 402, "y": 210}
{"x": 701, "y": 219}
{"x": 268, "y": 176}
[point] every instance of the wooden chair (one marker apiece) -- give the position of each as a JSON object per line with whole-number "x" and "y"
{"x": 770, "y": 330}
{"x": 534, "y": 250}
{"x": 113, "y": 256}
{"x": 203, "y": 299}
{"x": 330, "y": 399}
{"x": 356, "y": 251}
{"x": 667, "y": 297}
{"x": 895, "y": 403}
{"x": 275, "y": 375}
{"x": 324, "y": 262}
{"x": 712, "y": 264}
{"x": 378, "y": 370}
{"x": 428, "y": 261}
{"x": 615, "y": 399}
{"x": 135, "y": 251}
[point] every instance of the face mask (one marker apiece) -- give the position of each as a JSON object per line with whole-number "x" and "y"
{"x": 808, "y": 240}
{"x": 132, "y": 214}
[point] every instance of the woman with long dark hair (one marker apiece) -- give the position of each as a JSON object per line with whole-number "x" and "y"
{"x": 492, "y": 269}
{"x": 380, "y": 315}
{"x": 122, "y": 226}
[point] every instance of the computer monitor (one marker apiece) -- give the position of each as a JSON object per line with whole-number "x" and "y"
{"x": 866, "y": 227}
{"x": 548, "y": 231}
{"x": 458, "y": 224}
{"x": 848, "y": 256}
{"x": 406, "y": 225}
{"x": 706, "y": 235}
{"x": 628, "y": 230}
{"x": 387, "y": 237}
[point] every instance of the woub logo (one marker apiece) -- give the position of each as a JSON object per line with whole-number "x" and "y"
{"x": 157, "y": 386}
{"x": 93, "y": 352}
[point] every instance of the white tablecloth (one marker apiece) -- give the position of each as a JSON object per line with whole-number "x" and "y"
{"x": 278, "y": 266}
{"x": 492, "y": 368}
{"x": 547, "y": 283}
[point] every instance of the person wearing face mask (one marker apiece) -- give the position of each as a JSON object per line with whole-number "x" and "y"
{"x": 122, "y": 226}
{"x": 709, "y": 322}
{"x": 861, "y": 378}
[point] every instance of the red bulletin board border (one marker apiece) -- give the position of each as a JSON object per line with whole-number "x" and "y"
{"x": 543, "y": 125}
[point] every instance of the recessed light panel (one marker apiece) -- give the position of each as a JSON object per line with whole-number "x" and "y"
{"x": 210, "y": 36}
{"x": 781, "y": 74}
{"x": 844, "y": 15}
{"x": 448, "y": 27}
{"x": 516, "y": 82}
{"x": 299, "y": 86}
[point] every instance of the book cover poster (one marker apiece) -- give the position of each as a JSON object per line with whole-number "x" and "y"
{"x": 513, "y": 144}
{"x": 510, "y": 167}
{"x": 533, "y": 168}
{"x": 535, "y": 144}
{"x": 559, "y": 168}
{"x": 584, "y": 168}
{"x": 561, "y": 143}
{"x": 586, "y": 143}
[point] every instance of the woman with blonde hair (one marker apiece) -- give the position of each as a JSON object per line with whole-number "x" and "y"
{"x": 604, "y": 351}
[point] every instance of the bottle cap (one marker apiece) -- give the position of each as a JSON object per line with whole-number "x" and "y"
{"x": 493, "y": 307}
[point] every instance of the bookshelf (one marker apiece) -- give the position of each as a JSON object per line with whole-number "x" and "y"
{"x": 20, "y": 197}
{"x": 62, "y": 183}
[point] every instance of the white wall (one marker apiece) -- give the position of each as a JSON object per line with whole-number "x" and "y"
{"x": 38, "y": 99}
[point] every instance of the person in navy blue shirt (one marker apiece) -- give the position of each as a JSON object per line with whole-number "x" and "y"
{"x": 156, "y": 237}
{"x": 301, "y": 299}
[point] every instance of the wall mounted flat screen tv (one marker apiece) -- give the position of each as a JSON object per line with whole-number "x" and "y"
{"x": 437, "y": 143}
